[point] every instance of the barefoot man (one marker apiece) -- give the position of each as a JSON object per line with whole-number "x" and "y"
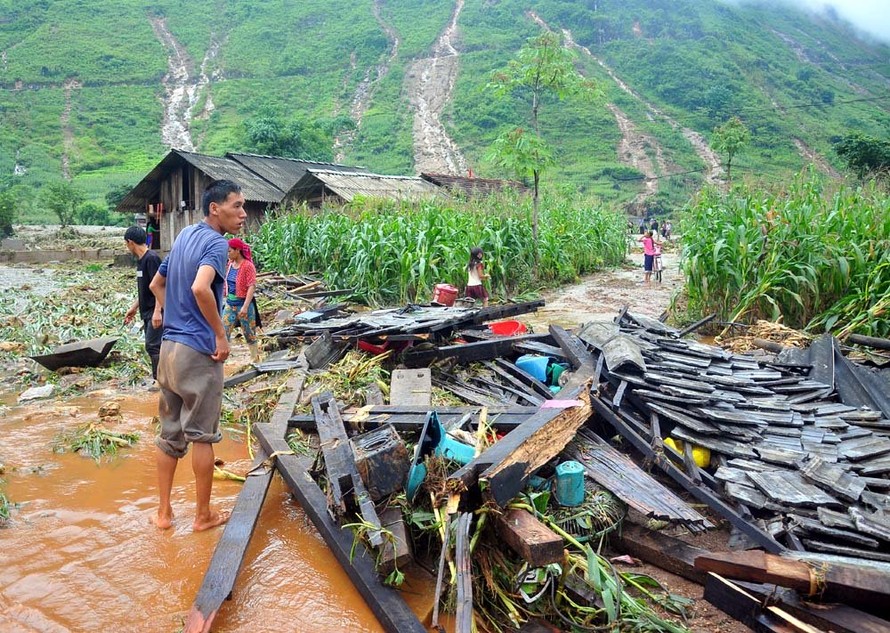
{"x": 189, "y": 288}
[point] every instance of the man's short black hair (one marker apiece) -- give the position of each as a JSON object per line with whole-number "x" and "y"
{"x": 135, "y": 234}
{"x": 217, "y": 191}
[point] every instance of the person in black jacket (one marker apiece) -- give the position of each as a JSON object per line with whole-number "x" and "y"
{"x": 147, "y": 265}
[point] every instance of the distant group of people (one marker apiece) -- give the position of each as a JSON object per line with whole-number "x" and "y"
{"x": 652, "y": 224}
{"x": 189, "y": 304}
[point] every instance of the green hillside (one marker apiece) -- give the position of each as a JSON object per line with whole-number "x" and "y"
{"x": 81, "y": 92}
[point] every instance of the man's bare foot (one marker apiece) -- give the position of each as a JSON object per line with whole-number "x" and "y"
{"x": 162, "y": 520}
{"x": 215, "y": 518}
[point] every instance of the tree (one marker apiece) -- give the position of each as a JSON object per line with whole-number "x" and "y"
{"x": 270, "y": 134}
{"x": 864, "y": 154}
{"x": 8, "y": 211}
{"x": 543, "y": 66}
{"x": 115, "y": 194}
{"x": 729, "y": 138}
{"x": 95, "y": 214}
{"x": 63, "y": 199}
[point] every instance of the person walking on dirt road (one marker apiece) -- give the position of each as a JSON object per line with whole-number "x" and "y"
{"x": 189, "y": 288}
{"x": 648, "y": 255}
{"x": 147, "y": 265}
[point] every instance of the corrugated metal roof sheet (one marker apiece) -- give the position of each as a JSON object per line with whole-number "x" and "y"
{"x": 349, "y": 185}
{"x": 253, "y": 186}
{"x": 284, "y": 173}
{"x": 473, "y": 186}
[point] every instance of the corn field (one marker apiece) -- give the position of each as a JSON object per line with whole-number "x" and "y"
{"x": 815, "y": 259}
{"x": 390, "y": 252}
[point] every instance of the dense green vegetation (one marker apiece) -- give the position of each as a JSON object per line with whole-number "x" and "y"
{"x": 389, "y": 252}
{"x": 81, "y": 93}
{"x": 814, "y": 257}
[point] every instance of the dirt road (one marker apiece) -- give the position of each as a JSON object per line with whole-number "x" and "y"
{"x": 600, "y": 296}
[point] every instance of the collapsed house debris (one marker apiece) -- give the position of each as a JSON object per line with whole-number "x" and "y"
{"x": 791, "y": 449}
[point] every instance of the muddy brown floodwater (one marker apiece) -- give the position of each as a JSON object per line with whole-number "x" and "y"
{"x": 80, "y": 554}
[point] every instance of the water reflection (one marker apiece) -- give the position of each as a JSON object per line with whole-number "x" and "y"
{"x": 81, "y": 555}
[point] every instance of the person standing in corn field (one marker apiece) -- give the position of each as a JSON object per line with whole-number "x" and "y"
{"x": 476, "y": 275}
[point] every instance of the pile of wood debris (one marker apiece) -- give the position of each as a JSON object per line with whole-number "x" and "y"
{"x": 790, "y": 448}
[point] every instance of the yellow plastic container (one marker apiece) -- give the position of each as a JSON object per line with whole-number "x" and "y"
{"x": 700, "y": 454}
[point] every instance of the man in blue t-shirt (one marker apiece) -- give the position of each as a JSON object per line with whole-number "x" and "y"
{"x": 188, "y": 288}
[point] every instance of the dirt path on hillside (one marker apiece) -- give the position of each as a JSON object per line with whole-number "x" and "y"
{"x": 714, "y": 170}
{"x": 365, "y": 90}
{"x": 600, "y": 296}
{"x": 429, "y": 84}
{"x": 183, "y": 87}
{"x": 67, "y": 132}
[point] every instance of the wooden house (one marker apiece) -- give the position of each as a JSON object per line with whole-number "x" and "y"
{"x": 172, "y": 190}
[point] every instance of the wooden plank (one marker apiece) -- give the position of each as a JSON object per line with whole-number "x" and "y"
{"x": 348, "y": 493}
{"x": 470, "y": 352}
{"x": 539, "y": 387}
{"x": 520, "y": 388}
{"x": 790, "y": 488}
{"x": 859, "y": 586}
{"x": 747, "y": 609}
{"x": 463, "y": 619}
{"x": 833, "y": 479}
{"x": 385, "y": 602}
{"x": 535, "y": 543}
{"x": 411, "y": 387}
{"x": 506, "y": 465}
{"x": 838, "y": 618}
{"x": 228, "y": 556}
{"x": 582, "y": 361}
{"x": 512, "y": 460}
{"x": 806, "y": 526}
{"x": 395, "y": 553}
{"x": 661, "y": 550}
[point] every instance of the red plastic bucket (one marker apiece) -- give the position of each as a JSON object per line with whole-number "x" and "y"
{"x": 444, "y": 294}
{"x": 507, "y": 328}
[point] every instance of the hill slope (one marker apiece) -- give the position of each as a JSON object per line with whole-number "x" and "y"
{"x": 97, "y": 91}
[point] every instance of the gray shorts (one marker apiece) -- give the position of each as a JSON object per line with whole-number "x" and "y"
{"x": 190, "y": 400}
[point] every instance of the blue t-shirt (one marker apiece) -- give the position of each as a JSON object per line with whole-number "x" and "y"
{"x": 197, "y": 245}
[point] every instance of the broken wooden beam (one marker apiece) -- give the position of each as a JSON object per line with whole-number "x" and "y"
{"x": 661, "y": 550}
{"x": 219, "y": 580}
{"x": 535, "y": 543}
{"x": 408, "y": 419}
{"x": 747, "y": 609}
{"x": 395, "y": 552}
{"x": 469, "y": 352}
{"x": 463, "y": 618}
{"x": 349, "y": 497}
{"x": 858, "y": 586}
{"x": 838, "y": 618}
{"x": 385, "y": 602}
{"x": 504, "y": 468}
